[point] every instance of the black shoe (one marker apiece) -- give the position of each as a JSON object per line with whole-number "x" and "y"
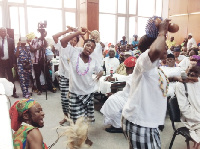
{"x": 15, "y": 95}
{"x": 114, "y": 130}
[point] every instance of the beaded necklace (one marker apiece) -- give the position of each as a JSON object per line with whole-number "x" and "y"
{"x": 161, "y": 83}
{"x": 77, "y": 66}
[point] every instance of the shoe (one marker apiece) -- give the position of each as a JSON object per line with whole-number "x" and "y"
{"x": 15, "y": 95}
{"x": 53, "y": 90}
{"x": 114, "y": 130}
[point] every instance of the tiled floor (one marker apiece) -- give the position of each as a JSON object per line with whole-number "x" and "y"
{"x": 101, "y": 139}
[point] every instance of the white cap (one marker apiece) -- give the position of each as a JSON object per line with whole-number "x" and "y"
{"x": 190, "y": 34}
{"x": 23, "y": 39}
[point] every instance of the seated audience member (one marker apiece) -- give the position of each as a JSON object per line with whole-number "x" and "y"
{"x": 178, "y": 57}
{"x": 184, "y": 43}
{"x": 189, "y": 105}
{"x": 121, "y": 69}
{"x": 26, "y": 117}
{"x": 172, "y": 72}
{"x": 191, "y": 42}
{"x": 135, "y": 42}
{"x": 123, "y": 41}
{"x": 116, "y": 52}
{"x": 113, "y": 106}
{"x": 184, "y": 64}
{"x": 170, "y": 50}
{"x": 184, "y": 51}
{"x": 111, "y": 62}
{"x": 170, "y": 42}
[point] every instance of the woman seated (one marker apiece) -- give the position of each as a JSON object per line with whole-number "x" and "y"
{"x": 111, "y": 62}
{"x": 113, "y": 106}
{"x": 190, "y": 106}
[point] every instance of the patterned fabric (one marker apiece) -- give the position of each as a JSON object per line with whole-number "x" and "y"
{"x": 20, "y": 137}
{"x": 141, "y": 137}
{"x": 25, "y": 104}
{"x": 81, "y": 105}
{"x": 24, "y": 74}
{"x": 64, "y": 89}
{"x": 121, "y": 69}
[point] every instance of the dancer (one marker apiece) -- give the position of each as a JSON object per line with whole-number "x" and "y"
{"x": 146, "y": 106}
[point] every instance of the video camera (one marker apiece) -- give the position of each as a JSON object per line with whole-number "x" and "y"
{"x": 42, "y": 26}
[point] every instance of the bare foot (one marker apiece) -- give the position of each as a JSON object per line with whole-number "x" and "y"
{"x": 88, "y": 142}
{"x": 63, "y": 121}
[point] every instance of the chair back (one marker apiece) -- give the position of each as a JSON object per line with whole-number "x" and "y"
{"x": 173, "y": 108}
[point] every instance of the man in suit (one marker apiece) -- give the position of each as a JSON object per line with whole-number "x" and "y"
{"x": 7, "y": 58}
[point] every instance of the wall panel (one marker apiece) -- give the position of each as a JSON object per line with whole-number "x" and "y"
{"x": 178, "y": 7}
{"x": 182, "y": 21}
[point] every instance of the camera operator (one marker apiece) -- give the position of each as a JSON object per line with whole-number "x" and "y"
{"x": 40, "y": 63}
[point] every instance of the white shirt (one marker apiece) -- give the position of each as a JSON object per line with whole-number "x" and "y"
{"x": 181, "y": 57}
{"x": 111, "y": 63}
{"x": 146, "y": 105}
{"x": 190, "y": 107}
{"x": 191, "y": 43}
{"x": 85, "y": 84}
{"x": 171, "y": 72}
{"x": 6, "y": 56}
{"x": 97, "y": 54}
{"x": 63, "y": 69}
{"x": 184, "y": 64}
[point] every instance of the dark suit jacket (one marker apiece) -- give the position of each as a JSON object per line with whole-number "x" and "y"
{"x": 11, "y": 48}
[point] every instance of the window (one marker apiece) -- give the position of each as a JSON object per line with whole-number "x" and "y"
{"x": 70, "y": 3}
{"x": 54, "y": 23}
{"x": 14, "y": 19}
{"x": 16, "y": 1}
{"x": 107, "y": 28}
{"x": 141, "y": 26}
{"x": 108, "y": 6}
{"x": 159, "y": 7}
{"x": 131, "y": 28}
{"x": 122, "y": 6}
{"x": 132, "y": 6}
{"x": 146, "y": 8}
{"x": 70, "y": 19}
{"x": 45, "y": 3}
{"x": 121, "y": 28}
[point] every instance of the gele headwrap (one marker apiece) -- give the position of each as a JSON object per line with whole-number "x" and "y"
{"x": 130, "y": 61}
{"x": 17, "y": 109}
{"x": 95, "y": 35}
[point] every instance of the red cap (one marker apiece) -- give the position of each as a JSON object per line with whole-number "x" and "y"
{"x": 130, "y": 61}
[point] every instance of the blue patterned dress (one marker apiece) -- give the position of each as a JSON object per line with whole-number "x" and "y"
{"x": 24, "y": 74}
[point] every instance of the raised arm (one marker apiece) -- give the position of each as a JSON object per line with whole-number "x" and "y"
{"x": 65, "y": 40}
{"x": 159, "y": 45}
{"x": 56, "y": 36}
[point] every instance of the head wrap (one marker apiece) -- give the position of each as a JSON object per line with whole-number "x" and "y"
{"x": 18, "y": 108}
{"x": 95, "y": 35}
{"x": 195, "y": 58}
{"x": 190, "y": 34}
{"x": 151, "y": 29}
{"x": 130, "y": 61}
